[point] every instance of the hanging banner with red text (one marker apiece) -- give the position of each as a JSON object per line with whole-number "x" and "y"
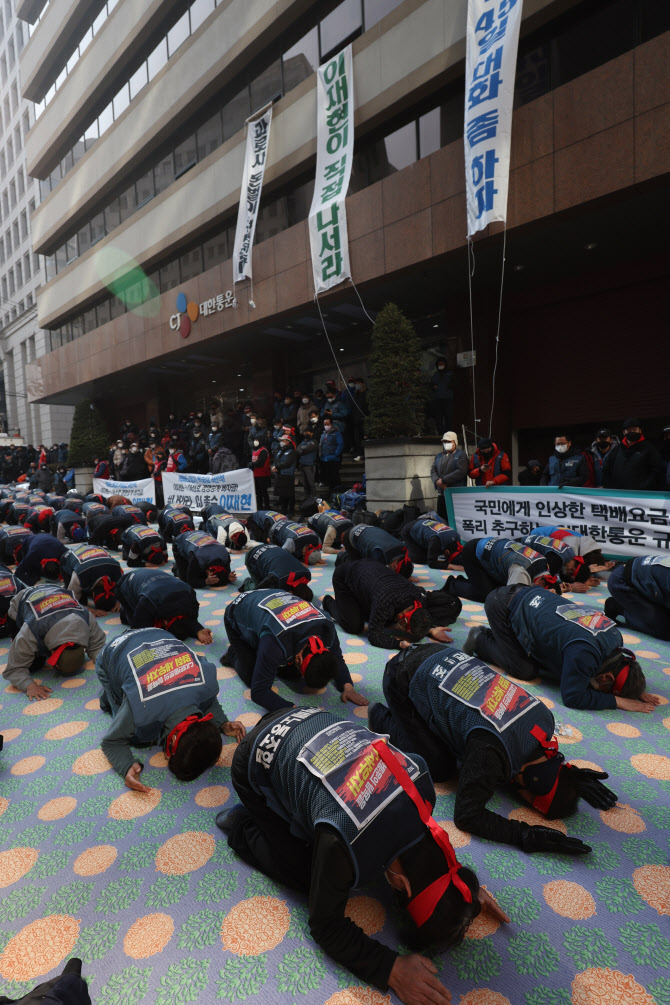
{"x": 492, "y": 42}
{"x": 328, "y": 236}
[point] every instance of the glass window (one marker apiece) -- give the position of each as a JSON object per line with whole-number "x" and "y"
{"x": 299, "y": 202}
{"x": 235, "y": 113}
{"x": 84, "y": 237}
{"x": 375, "y": 10}
{"x": 215, "y": 251}
{"x": 533, "y": 75}
{"x": 121, "y": 101}
{"x": 116, "y": 307}
{"x": 86, "y": 41}
{"x": 77, "y": 330}
{"x": 266, "y": 86}
{"x": 102, "y": 313}
{"x": 67, "y": 163}
{"x": 97, "y": 228}
{"x": 209, "y": 136}
{"x": 88, "y": 321}
{"x": 157, "y": 59}
{"x": 429, "y": 132}
{"x": 100, "y": 20}
{"x": 185, "y": 155}
{"x": 91, "y": 135}
{"x": 145, "y": 188}
{"x": 340, "y": 25}
{"x": 24, "y": 224}
{"x": 191, "y": 264}
{"x": 78, "y": 150}
{"x": 654, "y": 19}
{"x": 169, "y": 276}
{"x": 178, "y": 34}
{"x": 20, "y": 182}
{"x": 359, "y": 173}
{"x": 55, "y": 339}
{"x": 164, "y": 173}
{"x": 12, "y": 194}
{"x": 139, "y": 79}
{"x": 19, "y": 276}
{"x": 105, "y": 119}
{"x": 301, "y": 59}
{"x": 200, "y": 10}
{"x": 71, "y": 251}
{"x": 127, "y": 202}
{"x": 12, "y": 288}
{"x": 26, "y": 266}
{"x": 400, "y": 147}
{"x": 595, "y": 39}
{"x": 112, "y": 215}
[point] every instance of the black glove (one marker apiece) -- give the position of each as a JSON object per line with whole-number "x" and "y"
{"x": 592, "y": 789}
{"x": 547, "y": 839}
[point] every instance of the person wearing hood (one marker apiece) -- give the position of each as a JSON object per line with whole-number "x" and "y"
{"x": 532, "y": 473}
{"x": 489, "y": 465}
{"x": 603, "y": 445}
{"x": 635, "y": 463}
{"x": 441, "y": 404}
{"x": 449, "y": 469}
{"x": 52, "y": 629}
{"x": 566, "y": 466}
{"x": 197, "y": 450}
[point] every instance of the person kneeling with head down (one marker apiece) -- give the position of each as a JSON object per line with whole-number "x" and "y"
{"x": 150, "y": 598}
{"x": 562, "y": 560}
{"x": 397, "y": 612}
{"x": 270, "y": 629}
{"x": 201, "y": 561}
{"x": 107, "y": 530}
{"x": 377, "y": 545}
{"x": 490, "y": 562}
{"x": 260, "y": 523}
{"x": 38, "y": 519}
{"x": 271, "y": 567}
{"x": 9, "y": 587}
{"x": 298, "y": 539}
{"x": 12, "y": 540}
{"x": 40, "y": 557}
{"x": 430, "y": 541}
{"x": 91, "y": 574}
{"x": 143, "y": 546}
{"x": 227, "y": 530}
{"x": 68, "y": 526}
{"x": 151, "y": 704}
{"x": 52, "y": 629}
{"x": 298, "y": 825}
{"x": 500, "y": 734}
{"x": 534, "y": 633}
{"x": 173, "y": 521}
{"x": 640, "y": 593}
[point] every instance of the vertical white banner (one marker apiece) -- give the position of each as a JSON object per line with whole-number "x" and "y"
{"x": 328, "y": 237}
{"x": 490, "y": 69}
{"x": 258, "y": 135}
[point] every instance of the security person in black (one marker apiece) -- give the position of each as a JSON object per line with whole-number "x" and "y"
{"x": 160, "y": 692}
{"x": 53, "y": 629}
{"x": 11, "y": 541}
{"x": 271, "y": 567}
{"x": 201, "y": 561}
{"x": 227, "y": 530}
{"x": 331, "y": 527}
{"x": 91, "y": 574}
{"x": 143, "y": 546}
{"x": 325, "y": 839}
{"x": 9, "y": 587}
{"x": 396, "y": 610}
{"x": 430, "y": 541}
{"x": 151, "y": 598}
{"x": 377, "y": 545}
{"x": 39, "y": 557}
{"x": 107, "y": 530}
{"x": 68, "y": 525}
{"x": 455, "y": 710}
{"x": 174, "y": 520}
{"x": 273, "y": 632}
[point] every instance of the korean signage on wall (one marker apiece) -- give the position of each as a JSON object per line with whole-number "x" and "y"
{"x": 328, "y": 236}
{"x": 630, "y": 523}
{"x": 492, "y": 42}
{"x": 258, "y": 136}
{"x": 188, "y": 311}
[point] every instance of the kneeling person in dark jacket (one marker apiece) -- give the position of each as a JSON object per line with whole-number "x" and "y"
{"x": 9, "y": 587}
{"x": 270, "y": 629}
{"x": 39, "y": 557}
{"x": 260, "y": 523}
{"x": 430, "y": 541}
{"x": 127, "y": 509}
{"x": 377, "y": 545}
{"x": 500, "y": 734}
{"x": 227, "y": 530}
{"x": 153, "y": 599}
{"x": 90, "y": 573}
{"x": 490, "y": 562}
{"x": 271, "y": 567}
{"x": 201, "y": 561}
{"x": 298, "y": 539}
{"x": 107, "y": 530}
{"x": 143, "y": 546}
{"x": 161, "y": 692}
{"x": 12, "y": 540}
{"x": 173, "y": 521}
{"x": 68, "y": 526}
{"x": 640, "y": 593}
{"x": 38, "y": 519}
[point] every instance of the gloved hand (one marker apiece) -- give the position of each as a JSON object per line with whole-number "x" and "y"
{"x": 592, "y": 789}
{"x": 547, "y": 839}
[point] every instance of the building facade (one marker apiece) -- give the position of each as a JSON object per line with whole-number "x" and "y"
{"x": 21, "y": 270}
{"x": 139, "y": 149}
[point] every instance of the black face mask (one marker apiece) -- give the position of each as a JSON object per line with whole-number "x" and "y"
{"x": 633, "y": 437}
{"x": 603, "y": 444}
{"x": 487, "y": 454}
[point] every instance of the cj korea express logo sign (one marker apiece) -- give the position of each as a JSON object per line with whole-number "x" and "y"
{"x": 188, "y": 311}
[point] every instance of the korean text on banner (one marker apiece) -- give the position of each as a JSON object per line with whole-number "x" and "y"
{"x": 490, "y": 68}
{"x": 258, "y": 136}
{"x": 634, "y": 523}
{"x": 234, "y": 490}
{"x": 142, "y": 491}
{"x": 328, "y": 237}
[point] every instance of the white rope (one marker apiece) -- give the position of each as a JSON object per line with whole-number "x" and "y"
{"x": 323, "y": 325}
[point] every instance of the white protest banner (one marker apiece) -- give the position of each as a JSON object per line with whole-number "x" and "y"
{"x": 328, "y": 236}
{"x": 142, "y": 491}
{"x": 492, "y": 42}
{"x": 258, "y": 136}
{"x": 622, "y": 523}
{"x": 234, "y": 490}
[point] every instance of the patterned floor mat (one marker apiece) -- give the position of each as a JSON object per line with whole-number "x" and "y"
{"x": 148, "y": 894}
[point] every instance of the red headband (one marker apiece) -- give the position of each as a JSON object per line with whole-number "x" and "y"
{"x": 422, "y": 906}
{"x": 294, "y": 580}
{"x": 620, "y": 679}
{"x": 106, "y": 590}
{"x": 176, "y": 734}
{"x": 416, "y": 606}
{"x": 57, "y": 653}
{"x": 309, "y": 549}
{"x": 550, "y": 747}
{"x": 316, "y": 646}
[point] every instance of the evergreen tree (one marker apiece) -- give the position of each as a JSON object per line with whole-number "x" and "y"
{"x": 89, "y": 437}
{"x": 396, "y": 389}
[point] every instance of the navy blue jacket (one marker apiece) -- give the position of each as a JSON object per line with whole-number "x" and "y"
{"x": 195, "y": 553}
{"x": 650, "y": 576}
{"x": 499, "y": 556}
{"x": 150, "y": 595}
{"x": 35, "y": 550}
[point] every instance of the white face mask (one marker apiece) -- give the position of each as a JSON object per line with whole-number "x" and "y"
{"x": 253, "y": 422}
{"x": 256, "y": 443}
{"x": 327, "y": 429}
{"x": 561, "y": 448}
{"x": 314, "y": 419}
{"x": 448, "y": 445}
{"x": 441, "y": 366}
{"x": 305, "y": 401}
{"x": 214, "y": 428}
{"x": 133, "y": 450}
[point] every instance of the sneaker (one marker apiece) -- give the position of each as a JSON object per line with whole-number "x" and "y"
{"x": 227, "y": 819}
{"x": 612, "y": 609}
{"x": 471, "y": 642}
